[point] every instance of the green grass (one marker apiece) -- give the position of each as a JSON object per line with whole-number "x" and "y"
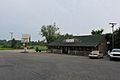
{"x": 6, "y": 49}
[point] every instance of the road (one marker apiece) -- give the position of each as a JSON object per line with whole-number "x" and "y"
{"x": 42, "y": 66}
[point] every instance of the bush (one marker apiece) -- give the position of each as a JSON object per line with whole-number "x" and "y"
{"x": 30, "y": 47}
{"x": 40, "y": 48}
{"x": 37, "y": 49}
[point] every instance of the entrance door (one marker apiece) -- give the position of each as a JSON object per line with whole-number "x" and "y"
{"x": 65, "y": 50}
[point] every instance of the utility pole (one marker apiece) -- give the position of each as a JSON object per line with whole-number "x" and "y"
{"x": 11, "y": 33}
{"x": 112, "y": 25}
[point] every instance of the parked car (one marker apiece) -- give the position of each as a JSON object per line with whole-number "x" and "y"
{"x": 115, "y": 53}
{"x": 96, "y": 54}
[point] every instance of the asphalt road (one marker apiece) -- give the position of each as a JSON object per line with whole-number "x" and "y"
{"x": 42, "y": 66}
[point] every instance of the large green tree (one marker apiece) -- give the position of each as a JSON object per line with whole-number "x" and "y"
{"x": 97, "y": 31}
{"x": 50, "y": 32}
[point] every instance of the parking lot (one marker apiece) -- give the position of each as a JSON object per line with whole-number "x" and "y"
{"x": 15, "y": 65}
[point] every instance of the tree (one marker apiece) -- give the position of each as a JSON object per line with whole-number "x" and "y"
{"x": 67, "y": 35}
{"x": 108, "y": 38}
{"x": 117, "y": 38}
{"x": 50, "y": 32}
{"x": 13, "y": 43}
{"x": 97, "y": 31}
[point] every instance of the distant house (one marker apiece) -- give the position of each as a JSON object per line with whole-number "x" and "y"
{"x": 79, "y": 45}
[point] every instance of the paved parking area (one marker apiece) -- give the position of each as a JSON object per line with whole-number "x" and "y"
{"x": 42, "y": 66}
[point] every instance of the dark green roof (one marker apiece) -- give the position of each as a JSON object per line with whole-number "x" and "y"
{"x": 83, "y": 41}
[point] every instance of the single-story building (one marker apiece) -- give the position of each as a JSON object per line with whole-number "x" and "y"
{"x": 79, "y": 45}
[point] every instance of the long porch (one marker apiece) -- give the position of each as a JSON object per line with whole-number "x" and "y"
{"x": 72, "y": 50}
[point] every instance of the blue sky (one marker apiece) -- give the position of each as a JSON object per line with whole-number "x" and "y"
{"x": 77, "y": 17}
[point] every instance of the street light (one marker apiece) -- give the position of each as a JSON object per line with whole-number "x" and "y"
{"x": 112, "y": 25}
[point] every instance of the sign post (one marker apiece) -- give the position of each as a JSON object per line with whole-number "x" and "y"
{"x": 25, "y": 41}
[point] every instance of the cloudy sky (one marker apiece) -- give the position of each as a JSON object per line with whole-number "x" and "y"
{"x": 77, "y": 17}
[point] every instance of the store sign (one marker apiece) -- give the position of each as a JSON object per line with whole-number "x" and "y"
{"x": 25, "y": 38}
{"x": 70, "y": 40}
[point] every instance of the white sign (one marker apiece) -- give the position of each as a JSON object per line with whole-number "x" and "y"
{"x": 70, "y": 40}
{"x": 25, "y": 37}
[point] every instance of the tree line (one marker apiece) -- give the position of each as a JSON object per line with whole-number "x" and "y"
{"x": 10, "y": 43}
{"x": 17, "y": 44}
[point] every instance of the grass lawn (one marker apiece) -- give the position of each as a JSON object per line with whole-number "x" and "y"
{"x": 6, "y": 49}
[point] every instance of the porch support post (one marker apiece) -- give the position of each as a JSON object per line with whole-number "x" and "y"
{"x": 61, "y": 50}
{"x": 75, "y": 52}
{"x": 68, "y": 51}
